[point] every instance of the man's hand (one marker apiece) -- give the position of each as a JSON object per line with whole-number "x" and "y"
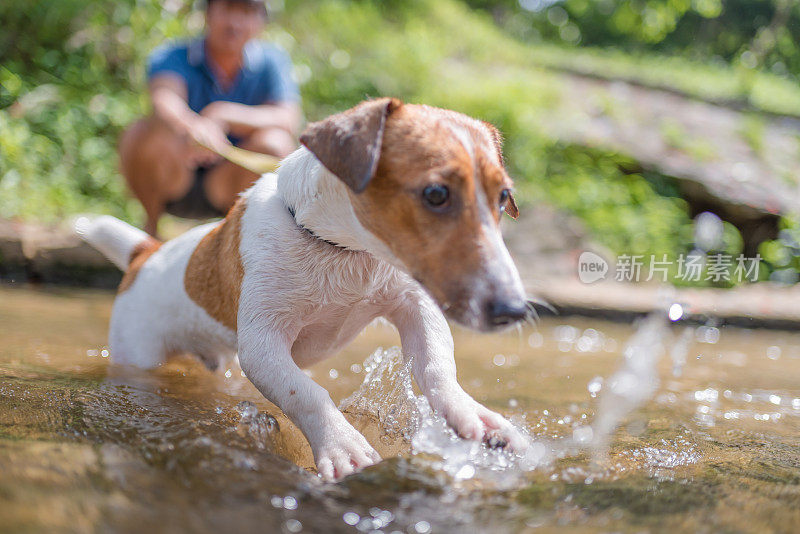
{"x": 216, "y": 111}
{"x": 210, "y": 138}
{"x": 242, "y": 120}
{"x": 205, "y": 134}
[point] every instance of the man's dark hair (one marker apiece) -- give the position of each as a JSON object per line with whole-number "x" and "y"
{"x": 255, "y": 3}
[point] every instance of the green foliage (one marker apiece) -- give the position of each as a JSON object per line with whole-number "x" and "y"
{"x": 624, "y": 209}
{"x": 755, "y": 33}
{"x": 752, "y": 131}
{"x": 70, "y": 79}
{"x": 782, "y": 255}
{"x": 715, "y": 82}
{"x": 68, "y": 90}
{"x": 743, "y": 52}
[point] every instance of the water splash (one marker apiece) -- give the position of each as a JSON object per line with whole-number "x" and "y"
{"x": 387, "y": 394}
{"x": 634, "y": 382}
{"x": 258, "y": 426}
{"x": 680, "y": 350}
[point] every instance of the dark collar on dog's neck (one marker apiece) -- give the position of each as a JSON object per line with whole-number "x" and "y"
{"x": 312, "y": 234}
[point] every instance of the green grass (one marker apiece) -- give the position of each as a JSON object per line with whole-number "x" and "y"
{"x": 717, "y": 83}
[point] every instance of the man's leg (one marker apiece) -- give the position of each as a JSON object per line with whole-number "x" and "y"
{"x": 225, "y": 181}
{"x": 154, "y": 161}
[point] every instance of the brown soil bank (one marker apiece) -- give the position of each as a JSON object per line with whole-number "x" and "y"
{"x": 544, "y": 243}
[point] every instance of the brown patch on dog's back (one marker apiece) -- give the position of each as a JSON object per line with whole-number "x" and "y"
{"x": 140, "y": 254}
{"x": 214, "y": 274}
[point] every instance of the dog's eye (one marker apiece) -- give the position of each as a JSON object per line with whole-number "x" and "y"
{"x": 504, "y": 195}
{"x": 436, "y": 195}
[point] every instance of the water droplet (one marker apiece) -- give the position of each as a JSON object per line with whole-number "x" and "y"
{"x": 707, "y": 334}
{"x": 466, "y": 472}
{"x": 333, "y": 373}
{"x": 584, "y": 344}
{"x": 499, "y": 360}
{"x": 775, "y": 399}
{"x": 706, "y": 395}
{"x": 290, "y": 503}
{"x": 423, "y": 527}
{"x": 228, "y": 373}
{"x": 536, "y": 340}
{"x": 566, "y": 333}
{"x": 773, "y": 352}
{"x": 351, "y": 518}
{"x": 595, "y": 385}
{"x": 675, "y": 312}
{"x": 293, "y": 525}
{"x": 583, "y": 434}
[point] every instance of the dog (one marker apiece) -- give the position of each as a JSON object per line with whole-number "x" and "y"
{"x": 386, "y": 210}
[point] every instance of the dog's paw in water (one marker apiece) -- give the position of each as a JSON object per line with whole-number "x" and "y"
{"x": 472, "y": 420}
{"x": 343, "y": 453}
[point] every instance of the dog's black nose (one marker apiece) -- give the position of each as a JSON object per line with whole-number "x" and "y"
{"x": 502, "y": 312}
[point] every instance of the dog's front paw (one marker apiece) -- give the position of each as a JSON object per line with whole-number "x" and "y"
{"x": 472, "y": 420}
{"x": 342, "y": 453}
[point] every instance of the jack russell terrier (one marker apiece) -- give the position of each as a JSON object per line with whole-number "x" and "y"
{"x": 387, "y": 210}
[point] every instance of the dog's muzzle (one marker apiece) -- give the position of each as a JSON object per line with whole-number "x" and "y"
{"x": 502, "y": 313}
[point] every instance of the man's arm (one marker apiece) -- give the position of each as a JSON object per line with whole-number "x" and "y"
{"x": 242, "y": 120}
{"x": 168, "y": 94}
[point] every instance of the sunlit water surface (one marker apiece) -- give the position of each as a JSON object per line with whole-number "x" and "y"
{"x": 703, "y": 439}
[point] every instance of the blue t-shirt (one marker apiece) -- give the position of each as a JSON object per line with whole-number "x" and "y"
{"x": 265, "y": 76}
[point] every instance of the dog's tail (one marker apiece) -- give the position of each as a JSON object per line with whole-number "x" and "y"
{"x": 116, "y": 240}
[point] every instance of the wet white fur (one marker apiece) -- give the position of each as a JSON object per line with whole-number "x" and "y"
{"x": 301, "y": 300}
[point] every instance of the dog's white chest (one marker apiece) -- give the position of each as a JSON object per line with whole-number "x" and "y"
{"x": 333, "y": 328}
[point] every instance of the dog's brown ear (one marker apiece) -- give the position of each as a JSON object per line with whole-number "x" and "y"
{"x": 349, "y": 143}
{"x": 511, "y": 207}
{"x": 497, "y": 140}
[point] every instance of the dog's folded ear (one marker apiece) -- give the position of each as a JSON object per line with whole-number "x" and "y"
{"x": 497, "y": 138}
{"x": 511, "y": 208}
{"x": 349, "y": 143}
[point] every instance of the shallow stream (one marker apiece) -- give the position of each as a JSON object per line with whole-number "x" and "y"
{"x": 708, "y": 437}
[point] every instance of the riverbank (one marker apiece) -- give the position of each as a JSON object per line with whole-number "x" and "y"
{"x": 544, "y": 242}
